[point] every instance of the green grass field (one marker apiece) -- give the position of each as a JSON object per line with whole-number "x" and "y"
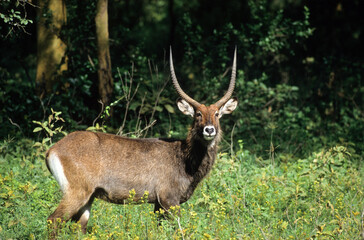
{"x": 244, "y": 197}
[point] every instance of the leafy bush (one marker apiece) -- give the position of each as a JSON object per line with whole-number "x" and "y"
{"x": 288, "y": 97}
{"x": 14, "y": 16}
{"x": 268, "y": 101}
{"x": 22, "y": 106}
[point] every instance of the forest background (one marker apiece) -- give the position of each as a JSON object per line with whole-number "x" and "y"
{"x": 102, "y": 65}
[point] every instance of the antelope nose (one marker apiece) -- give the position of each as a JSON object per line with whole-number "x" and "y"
{"x": 209, "y": 130}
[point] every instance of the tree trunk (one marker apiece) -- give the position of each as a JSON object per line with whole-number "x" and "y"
{"x": 51, "y": 58}
{"x": 106, "y": 82}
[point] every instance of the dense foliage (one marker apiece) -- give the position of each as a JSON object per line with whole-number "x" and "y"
{"x": 245, "y": 197}
{"x": 300, "y": 116}
{"x": 293, "y": 81}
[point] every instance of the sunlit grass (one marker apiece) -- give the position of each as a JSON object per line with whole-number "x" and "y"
{"x": 244, "y": 197}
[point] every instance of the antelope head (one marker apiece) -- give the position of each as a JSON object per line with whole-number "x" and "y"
{"x": 206, "y": 125}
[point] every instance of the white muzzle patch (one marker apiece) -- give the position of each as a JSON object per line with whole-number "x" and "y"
{"x": 209, "y": 132}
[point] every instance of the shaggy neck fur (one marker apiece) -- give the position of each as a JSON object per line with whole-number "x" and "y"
{"x": 200, "y": 157}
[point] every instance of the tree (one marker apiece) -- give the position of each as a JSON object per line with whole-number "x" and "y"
{"x": 14, "y": 16}
{"x": 51, "y": 58}
{"x": 106, "y": 83}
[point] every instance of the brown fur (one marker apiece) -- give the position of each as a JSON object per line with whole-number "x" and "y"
{"x": 107, "y": 166}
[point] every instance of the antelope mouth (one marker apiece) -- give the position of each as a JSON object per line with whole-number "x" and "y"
{"x": 209, "y": 137}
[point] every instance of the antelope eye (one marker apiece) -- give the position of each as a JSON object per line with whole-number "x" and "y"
{"x": 198, "y": 114}
{"x": 216, "y": 114}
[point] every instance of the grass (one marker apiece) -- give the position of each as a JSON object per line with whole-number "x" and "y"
{"x": 244, "y": 197}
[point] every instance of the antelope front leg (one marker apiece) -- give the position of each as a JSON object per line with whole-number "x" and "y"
{"x": 163, "y": 206}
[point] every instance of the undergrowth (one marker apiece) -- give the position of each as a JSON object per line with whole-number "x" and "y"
{"x": 244, "y": 197}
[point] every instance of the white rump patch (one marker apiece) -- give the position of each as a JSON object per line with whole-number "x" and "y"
{"x": 56, "y": 168}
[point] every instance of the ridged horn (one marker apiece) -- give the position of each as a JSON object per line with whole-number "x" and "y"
{"x": 230, "y": 90}
{"x": 176, "y": 85}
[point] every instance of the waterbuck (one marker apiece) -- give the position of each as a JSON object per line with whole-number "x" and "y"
{"x": 89, "y": 165}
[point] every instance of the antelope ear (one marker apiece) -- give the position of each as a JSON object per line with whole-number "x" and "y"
{"x": 228, "y": 107}
{"x": 185, "y": 107}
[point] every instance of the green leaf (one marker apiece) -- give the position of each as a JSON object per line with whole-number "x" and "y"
{"x": 169, "y": 108}
{"x": 159, "y": 108}
{"x": 37, "y": 144}
{"x": 133, "y": 106}
{"x": 37, "y": 129}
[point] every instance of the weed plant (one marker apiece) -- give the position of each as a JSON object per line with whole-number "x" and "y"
{"x": 244, "y": 197}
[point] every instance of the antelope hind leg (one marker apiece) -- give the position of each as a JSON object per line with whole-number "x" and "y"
{"x": 75, "y": 206}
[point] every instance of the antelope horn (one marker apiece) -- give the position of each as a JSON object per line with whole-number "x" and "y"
{"x": 183, "y": 95}
{"x": 229, "y": 92}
